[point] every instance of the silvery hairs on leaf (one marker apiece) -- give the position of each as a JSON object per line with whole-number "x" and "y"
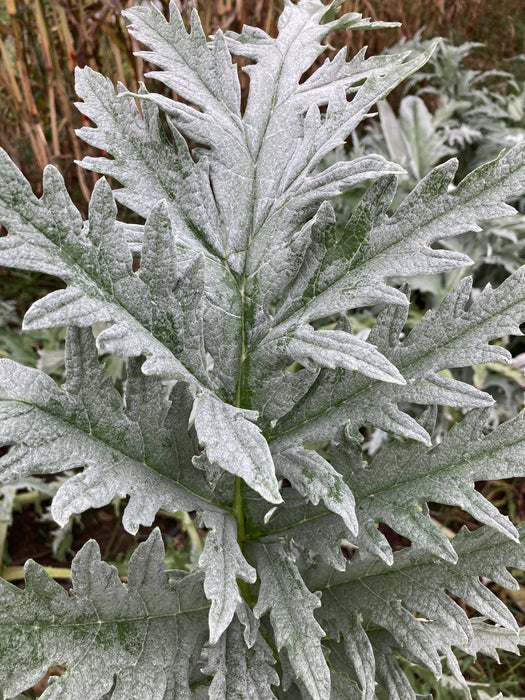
{"x": 146, "y": 632}
{"x": 245, "y": 384}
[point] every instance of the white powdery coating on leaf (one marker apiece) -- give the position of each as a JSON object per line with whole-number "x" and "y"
{"x": 236, "y": 445}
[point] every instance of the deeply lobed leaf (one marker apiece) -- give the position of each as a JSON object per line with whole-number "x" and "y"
{"x": 142, "y": 638}
{"x": 239, "y": 304}
{"x": 144, "y": 451}
{"x": 380, "y": 594}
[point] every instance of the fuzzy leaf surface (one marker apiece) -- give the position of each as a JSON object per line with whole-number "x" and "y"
{"x": 401, "y": 480}
{"x": 291, "y": 606}
{"x": 404, "y": 477}
{"x": 238, "y": 671}
{"x": 141, "y": 637}
{"x": 236, "y": 445}
{"x": 144, "y": 451}
{"x": 385, "y": 596}
{"x": 240, "y": 304}
{"x": 316, "y": 479}
{"x": 222, "y": 561}
{"x": 453, "y": 336}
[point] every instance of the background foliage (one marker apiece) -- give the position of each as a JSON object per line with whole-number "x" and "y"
{"x": 41, "y": 41}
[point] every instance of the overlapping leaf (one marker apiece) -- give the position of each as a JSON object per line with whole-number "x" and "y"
{"x": 236, "y": 444}
{"x": 488, "y": 639}
{"x": 291, "y": 606}
{"x": 261, "y": 204}
{"x": 240, "y": 671}
{"x": 141, "y": 638}
{"x": 313, "y": 527}
{"x": 341, "y": 272}
{"x": 222, "y": 561}
{"x": 137, "y": 144}
{"x": 47, "y": 234}
{"x": 144, "y": 452}
{"x": 197, "y": 331}
{"x": 456, "y": 335}
{"x": 400, "y": 245}
{"x": 244, "y": 149}
{"x": 316, "y": 479}
{"x": 404, "y": 477}
{"x": 397, "y": 485}
{"x": 240, "y": 261}
{"x": 385, "y": 596}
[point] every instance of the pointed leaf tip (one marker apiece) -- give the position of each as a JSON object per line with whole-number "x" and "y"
{"x": 236, "y": 445}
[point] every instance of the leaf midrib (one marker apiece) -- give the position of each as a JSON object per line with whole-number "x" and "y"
{"x": 402, "y": 367}
{"x": 98, "y": 440}
{"x": 483, "y": 454}
{"x": 99, "y": 623}
{"x": 410, "y": 565}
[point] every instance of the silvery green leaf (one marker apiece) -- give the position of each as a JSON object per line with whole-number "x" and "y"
{"x": 400, "y": 245}
{"x": 141, "y": 637}
{"x": 146, "y": 456}
{"x": 330, "y": 253}
{"x": 392, "y": 679}
{"x": 342, "y": 688}
{"x": 28, "y": 249}
{"x": 410, "y": 579}
{"x": 158, "y": 259}
{"x": 249, "y": 621}
{"x": 488, "y": 639}
{"x": 236, "y": 144}
{"x": 8, "y": 494}
{"x": 242, "y": 267}
{"x": 456, "y": 335}
{"x": 335, "y": 348}
{"x": 236, "y": 445}
{"x": 412, "y": 140}
{"x": 96, "y": 263}
{"x": 404, "y": 477}
{"x": 290, "y": 686}
{"x": 291, "y": 607}
{"x": 137, "y": 144}
{"x": 433, "y": 212}
{"x": 240, "y": 672}
{"x": 361, "y": 654}
{"x": 426, "y": 142}
{"x": 223, "y": 562}
{"x": 316, "y": 479}
{"x": 396, "y": 140}
{"x": 209, "y": 80}
{"x": 313, "y": 527}
{"x": 272, "y": 264}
